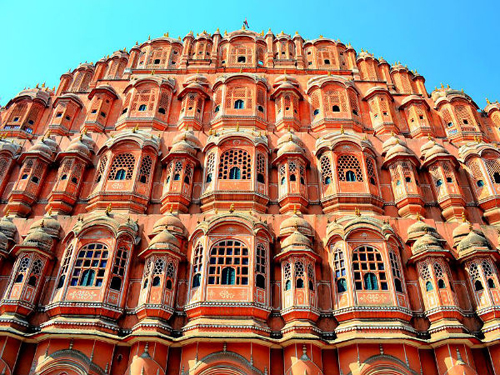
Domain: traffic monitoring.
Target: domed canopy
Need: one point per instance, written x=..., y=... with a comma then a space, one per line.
x=293, y=223
x=165, y=241
x=45, y=147
x=432, y=150
x=419, y=229
x=289, y=137
x=170, y=222
x=83, y=145
x=49, y=224
x=4, y=242
x=7, y=227
x=8, y=146
x=188, y=137
x=182, y=147
x=461, y=231
x=474, y=240
x=394, y=147
x=38, y=239
x=426, y=243
x=296, y=239
x=144, y=364
x=290, y=147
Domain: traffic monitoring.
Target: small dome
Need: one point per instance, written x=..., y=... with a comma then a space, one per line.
x=144, y=364
x=183, y=147
x=398, y=149
x=165, y=240
x=461, y=231
x=49, y=224
x=170, y=222
x=334, y=228
x=4, y=242
x=7, y=227
x=426, y=242
x=420, y=228
x=290, y=148
x=79, y=147
x=289, y=225
x=296, y=239
x=289, y=137
x=390, y=143
x=42, y=147
x=188, y=137
x=426, y=147
x=39, y=239
x=475, y=239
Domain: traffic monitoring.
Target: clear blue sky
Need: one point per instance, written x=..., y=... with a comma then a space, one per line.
x=454, y=42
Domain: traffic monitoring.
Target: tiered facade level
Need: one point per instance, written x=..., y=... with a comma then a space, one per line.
x=248, y=204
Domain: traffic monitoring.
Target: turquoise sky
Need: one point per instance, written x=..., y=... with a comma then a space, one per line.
x=454, y=42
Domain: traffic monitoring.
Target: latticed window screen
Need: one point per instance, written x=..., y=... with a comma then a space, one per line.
x=310, y=276
x=490, y=273
x=22, y=269
x=335, y=98
x=90, y=265
x=347, y=163
x=493, y=168
x=239, y=93
x=77, y=81
x=299, y=274
x=260, y=266
x=396, y=271
x=18, y=111
x=102, y=167
x=370, y=168
x=339, y=264
x=64, y=266
x=448, y=119
x=122, y=162
x=210, y=168
x=145, y=169
x=229, y=263
x=197, y=265
x=36, y=270
x=476, y=172
x=158, y=56
x=235, y=158
x=119, y=268
x=353, y=101
x=437, y=179
x=464, y=115
x=146, y=97
x=369, y=269
x=326, y=57
x=240, y=51
x=372, y=74
x=261, y=168
x=287, y=276
x=326, y=169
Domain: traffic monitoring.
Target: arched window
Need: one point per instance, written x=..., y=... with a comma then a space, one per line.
x=367, y=260
x=428, y=286
x=346, y=163
x=287, y=276
x=261, y=168
x=36, y=270
x=370, y=281
x=350, y=176
x=288, y=285
x=396, y=272
x=239, y=104
x=122, y=167
x=231, y=253
x=228, y=276
x=335, y=108
x=210, y=168
x=119, y=268
x=299, y=275
x=441, y=284
x=260, y=266
x=339, y=270
x=142, y=107
x=22, y=269
x=235, y=164
x=478, y=285
x=170, y=274
x=197, y=265
x=90, y=265
x=326, y=169
x=64, y=267
x=145, y=169
x=283, y=180
x=440, y=275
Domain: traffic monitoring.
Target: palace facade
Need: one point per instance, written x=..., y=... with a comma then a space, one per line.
x=248, y=203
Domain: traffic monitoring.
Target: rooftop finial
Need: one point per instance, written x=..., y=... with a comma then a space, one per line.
x=464, y=218
x=108, y=209
x=341, y=129
x=136, y=128
x=357, y=212
x=487, y=101
x=231, y=208
x=419, y=218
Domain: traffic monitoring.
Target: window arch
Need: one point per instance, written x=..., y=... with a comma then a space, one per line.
x=210, y=168
x=36, y=270
x=22, y=269
x=235, y=164
x=346, y=163
x=396, y=271
x=369, y=269
x=145, y=169
x=119, y=268
x=64, y=267
x=122, y=167
x=101, y=169
x=197, y=265
x=287, y=275
x=261, y=168
x=239, y=104
x=326, y=169
x=299, y=275
x=170, y=276
x=339, y=270
x=228, y=254
x=90, y=265
x=260, y=266
x=438, y=272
